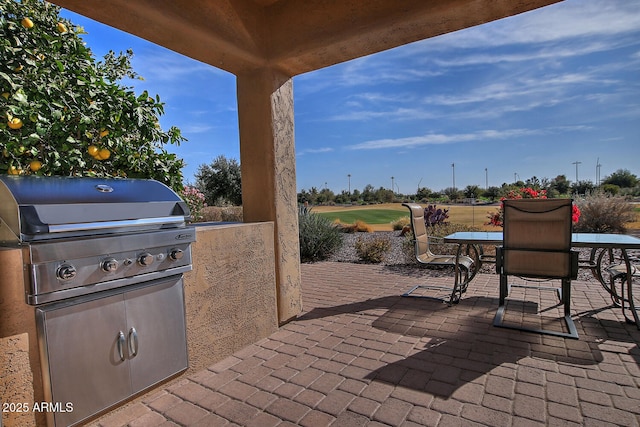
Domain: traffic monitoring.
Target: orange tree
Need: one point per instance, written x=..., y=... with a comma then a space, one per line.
x=64, y=113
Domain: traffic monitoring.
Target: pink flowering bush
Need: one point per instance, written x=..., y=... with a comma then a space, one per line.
x=497, y=218
x=195, y=200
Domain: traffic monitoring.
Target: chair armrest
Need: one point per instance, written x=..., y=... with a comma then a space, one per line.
x=435, y=239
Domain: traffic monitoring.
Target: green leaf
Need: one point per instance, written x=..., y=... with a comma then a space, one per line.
x=8, y=79
x=20, y=97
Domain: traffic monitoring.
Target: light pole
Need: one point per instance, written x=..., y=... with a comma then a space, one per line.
x=392, y=184
x=576, y=163
x=453, y=167
x=349, y=176
x=486, y=179
x=598, y=165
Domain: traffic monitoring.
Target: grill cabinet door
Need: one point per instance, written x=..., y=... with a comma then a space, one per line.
x=85, y=367
x=157, y=315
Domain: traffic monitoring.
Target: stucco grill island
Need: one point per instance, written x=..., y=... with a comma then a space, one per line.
x=103, y=261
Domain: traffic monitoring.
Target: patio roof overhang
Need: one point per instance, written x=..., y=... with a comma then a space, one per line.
x=291, y=36
x=265, y=43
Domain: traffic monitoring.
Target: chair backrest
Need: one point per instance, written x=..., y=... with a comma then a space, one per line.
x=537, y=238
x=418, y=228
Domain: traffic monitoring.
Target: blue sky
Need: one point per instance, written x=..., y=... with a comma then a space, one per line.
x=525, y=96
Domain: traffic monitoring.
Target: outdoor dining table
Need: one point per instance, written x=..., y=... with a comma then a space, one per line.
x=608, y=261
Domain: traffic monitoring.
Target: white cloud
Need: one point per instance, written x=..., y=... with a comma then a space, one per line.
x=559, y=22
x=196, y=128
x=315, y=151
x=390, y=114
x=437, y=139
x=158, y=64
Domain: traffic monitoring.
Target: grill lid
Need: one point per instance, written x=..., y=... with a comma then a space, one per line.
x=37, y=208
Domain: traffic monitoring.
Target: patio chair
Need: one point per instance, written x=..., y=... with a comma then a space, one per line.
x=464, y=269
x=537, y=245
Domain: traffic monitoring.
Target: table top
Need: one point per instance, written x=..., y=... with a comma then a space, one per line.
x=589, y=240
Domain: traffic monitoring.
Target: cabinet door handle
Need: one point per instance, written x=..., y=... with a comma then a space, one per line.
x=120, y=344
x=133, y=342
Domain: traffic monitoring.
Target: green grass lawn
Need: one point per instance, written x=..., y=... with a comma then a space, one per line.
x=370, y=216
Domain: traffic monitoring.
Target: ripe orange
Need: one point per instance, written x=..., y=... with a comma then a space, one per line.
x=15, y=123
x=27, y=23
x=14, y=170
x=61, y=27
x=93, y=150
x=103, y=154
x=35, y=165
x=104, y=133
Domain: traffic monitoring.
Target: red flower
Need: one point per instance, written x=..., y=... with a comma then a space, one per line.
x=496, y=218
x=575, y=215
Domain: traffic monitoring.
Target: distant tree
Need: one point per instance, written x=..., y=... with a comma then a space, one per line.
x=384, y=195
x=492, y=193
x=622, y=178
x=560, y=184
x=368, y=194
x=534, y=183
x=453, y=193
x=423, y=193
x=355, y=195
x=220, y=182
x=610, y=189
x=343, y=197
x=325, y=196
x=471, y=191
x=582, y=187
x=65, y=113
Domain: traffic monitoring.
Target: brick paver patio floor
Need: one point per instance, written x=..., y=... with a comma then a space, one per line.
x=361, y=355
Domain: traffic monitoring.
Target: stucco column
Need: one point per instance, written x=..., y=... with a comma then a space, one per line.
x=267, y=159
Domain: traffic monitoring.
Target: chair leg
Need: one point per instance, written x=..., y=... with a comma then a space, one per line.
x=504, y=288
x=461, y=282
x=498, y=319
x=504, y=291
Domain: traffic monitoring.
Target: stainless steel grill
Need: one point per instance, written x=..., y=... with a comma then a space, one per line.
x=103, y=262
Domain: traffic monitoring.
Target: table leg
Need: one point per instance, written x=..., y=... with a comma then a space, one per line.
x=611, y=265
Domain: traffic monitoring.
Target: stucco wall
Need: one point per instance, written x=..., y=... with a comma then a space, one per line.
x=231, y=293
x=230, y=299
x=20, y=380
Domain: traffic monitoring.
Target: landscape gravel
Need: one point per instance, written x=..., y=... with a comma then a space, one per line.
x=398, y=259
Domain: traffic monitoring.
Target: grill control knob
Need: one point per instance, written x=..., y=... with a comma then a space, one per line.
x=176, y=254
x=145, y=259
x=109, y=265
x=66, y=272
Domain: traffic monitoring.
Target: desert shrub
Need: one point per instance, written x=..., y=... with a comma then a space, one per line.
x=224, y=214
x=408, y=249
x=373, y=250
x=319, y=238
x=359, y=226
x=231, y=213
x=363, y=227
x=400, y=223
x=345, y=228
x=604, y=213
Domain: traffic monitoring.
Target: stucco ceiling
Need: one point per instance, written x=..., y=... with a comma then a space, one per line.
x=291, y=36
